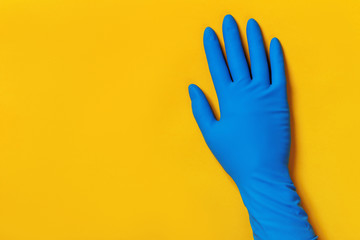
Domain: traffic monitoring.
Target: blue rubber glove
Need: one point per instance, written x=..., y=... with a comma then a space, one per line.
x=252, y=138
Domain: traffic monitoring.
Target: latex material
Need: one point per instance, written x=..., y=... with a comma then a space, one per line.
x=252, y=138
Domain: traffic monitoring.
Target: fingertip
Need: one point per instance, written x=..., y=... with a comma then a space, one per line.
x=275, y=42
x=229, y=24
x=228, y=20
x=208, y=30
x=192, y=91
x=252, y=25
x=192, y=86
x=275, y=45
x=209, y=34
x=252, y=21
x=229, y=17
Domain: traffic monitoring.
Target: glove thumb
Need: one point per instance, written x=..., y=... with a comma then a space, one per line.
x=201, y=108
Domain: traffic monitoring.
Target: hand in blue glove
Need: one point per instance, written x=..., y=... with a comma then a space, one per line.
x=252, y=138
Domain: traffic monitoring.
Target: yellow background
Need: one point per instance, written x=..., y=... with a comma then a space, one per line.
x=97, y=138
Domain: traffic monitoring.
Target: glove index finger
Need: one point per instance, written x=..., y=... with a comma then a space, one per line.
x=216, y=61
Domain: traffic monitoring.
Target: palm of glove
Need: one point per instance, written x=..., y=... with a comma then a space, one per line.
x=253, y=134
